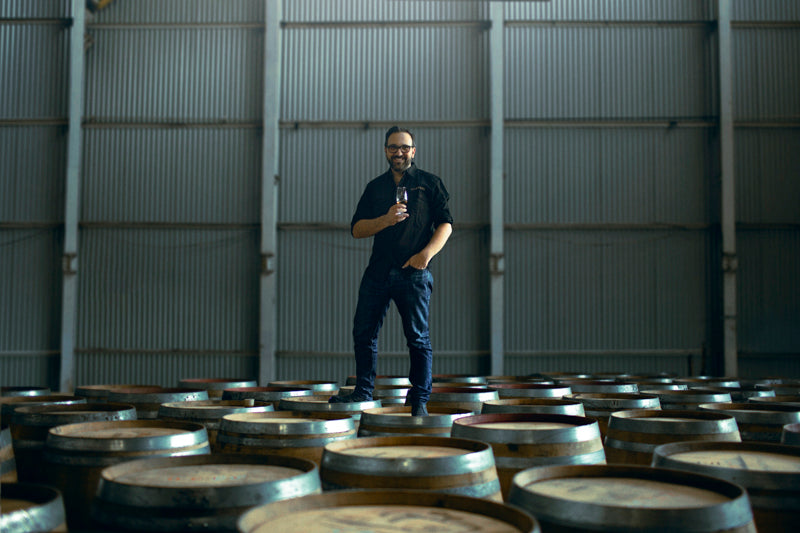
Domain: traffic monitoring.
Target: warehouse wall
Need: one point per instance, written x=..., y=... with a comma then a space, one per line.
x=611, y=190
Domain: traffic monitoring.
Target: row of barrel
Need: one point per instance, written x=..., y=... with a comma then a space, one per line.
x=227, y=455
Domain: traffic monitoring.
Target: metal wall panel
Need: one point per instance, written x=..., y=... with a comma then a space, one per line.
x=367, y=74
x=767, y=170
x=32, y=184
x=164, y=290
x=769, y=291
x=601, y=362
x=767, y=73
x=765, y=10
x=166, y=370
x=381, y=11
x=604, y=72
x=602, y=10
x=607, y=175
x=181, y=12
x=190, y=175
x=30, y=289
x=33, y=70
x=17, y=9
x=590, y=290
x=174, y=74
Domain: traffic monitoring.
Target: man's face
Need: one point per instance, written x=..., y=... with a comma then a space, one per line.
x=399, y=160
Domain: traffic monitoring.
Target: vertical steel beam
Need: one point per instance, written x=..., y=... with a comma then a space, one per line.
x=69, y=304
x=497, y=257
x=728, y=194
x=269, y=186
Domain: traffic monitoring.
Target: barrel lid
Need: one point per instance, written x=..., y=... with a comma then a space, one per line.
x=287, y=423
x=125, y=435
x=526, y=428
x=629, y=498
x=713, y=457
x=387, y=510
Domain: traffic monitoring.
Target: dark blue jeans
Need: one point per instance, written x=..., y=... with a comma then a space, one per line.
x=411, y=291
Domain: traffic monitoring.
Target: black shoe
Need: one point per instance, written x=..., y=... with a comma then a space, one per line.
x=350, y=398
x=419, y=410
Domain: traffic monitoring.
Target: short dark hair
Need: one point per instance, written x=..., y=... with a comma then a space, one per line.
x=397, y=129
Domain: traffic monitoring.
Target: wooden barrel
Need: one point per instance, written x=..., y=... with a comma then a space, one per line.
x=614, y=498
x=436, y=464
x=551, y=406
x=791, y=434
x=396, y=421
x=319, y=404
x=386, y=394
x=30, y=426
x=521, y=441
x=458, y=378
x=385, y=511
x=22, y=390
x=148, y=400
x=461, y=398
x=770, y=473
x=76, y=454
x=31, y=508
x=704, y=382
x=390, y=381
x=757, y=422
x=209, y=413
x=197, y=493
x=530, y=390
x=317, y=385
x=215, y=386
x=690, y=399
x=99, y=393
x=791, y=401
x=600, y=405
x=745, y=392
x=651, y=388
x=10, y=403
x=601, y=387
x=633, y=435
x=283, y=433
x=272, y=395
x=8, y=463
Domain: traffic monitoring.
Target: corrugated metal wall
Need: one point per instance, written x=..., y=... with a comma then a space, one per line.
x=33, y=109
x=611, y=184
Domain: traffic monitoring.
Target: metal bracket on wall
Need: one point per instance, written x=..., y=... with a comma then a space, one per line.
x=730, y=262
x=268, y=264
x=497, y=264
x=69, y=263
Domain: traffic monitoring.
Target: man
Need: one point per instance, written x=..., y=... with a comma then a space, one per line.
x=405, y=240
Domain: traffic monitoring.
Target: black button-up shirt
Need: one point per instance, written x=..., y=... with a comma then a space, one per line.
x=427, y=208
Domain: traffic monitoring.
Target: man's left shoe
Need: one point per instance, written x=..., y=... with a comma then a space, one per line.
x=350, y=398
x=419, y=410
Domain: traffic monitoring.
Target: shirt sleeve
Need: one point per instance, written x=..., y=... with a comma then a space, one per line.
x=365, y=208
x=441, y=208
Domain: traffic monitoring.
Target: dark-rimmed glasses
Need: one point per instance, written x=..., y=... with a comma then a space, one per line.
x=393, y=148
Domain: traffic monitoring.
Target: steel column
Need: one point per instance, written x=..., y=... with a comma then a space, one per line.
x=69, y=304
x=497, y=257
x=728, y=192
x=269, y=185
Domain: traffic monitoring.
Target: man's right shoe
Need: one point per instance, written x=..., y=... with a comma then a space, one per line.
x=419, y=410
x=350, y=398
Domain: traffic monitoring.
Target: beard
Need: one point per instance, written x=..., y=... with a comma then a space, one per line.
x=399, y=163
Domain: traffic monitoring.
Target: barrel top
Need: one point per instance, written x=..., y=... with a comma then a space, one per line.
x=387, y=510
x=742, y=460
x=627, y=492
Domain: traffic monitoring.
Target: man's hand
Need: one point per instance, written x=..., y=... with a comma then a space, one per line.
x=396, y=213
x=418, y=261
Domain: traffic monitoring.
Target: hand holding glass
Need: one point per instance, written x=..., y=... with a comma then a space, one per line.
x=401, y=196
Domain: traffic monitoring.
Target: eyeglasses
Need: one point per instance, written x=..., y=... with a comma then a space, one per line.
x=393, y=148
